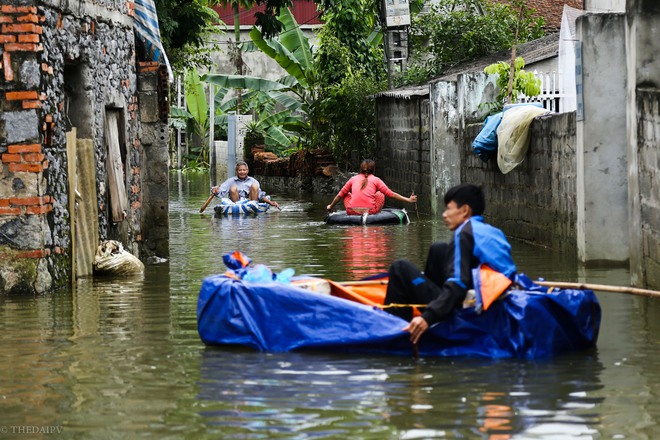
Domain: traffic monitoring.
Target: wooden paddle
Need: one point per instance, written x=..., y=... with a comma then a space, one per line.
x=601, y=288
x=206, y=203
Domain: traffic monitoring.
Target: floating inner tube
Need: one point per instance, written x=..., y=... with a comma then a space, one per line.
x=387, y=216
x=242, y=207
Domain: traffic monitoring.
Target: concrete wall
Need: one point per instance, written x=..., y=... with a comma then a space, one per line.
x=643, y=135
x=605, y=5
x=535, y=202
x=256, y=63
x=602, y=186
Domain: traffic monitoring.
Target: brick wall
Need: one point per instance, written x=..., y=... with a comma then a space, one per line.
x=403, y=148
x=535, y=202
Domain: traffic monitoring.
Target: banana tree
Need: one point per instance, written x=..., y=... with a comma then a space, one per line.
x=295, y=92
x=194, y=118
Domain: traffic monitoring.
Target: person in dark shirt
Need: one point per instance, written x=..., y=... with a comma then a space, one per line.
x=447, y=275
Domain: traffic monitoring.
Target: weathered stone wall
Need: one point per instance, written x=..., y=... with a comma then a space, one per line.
x=648, y=115
x=63, y=65
x=535, y=202
x=403, y=149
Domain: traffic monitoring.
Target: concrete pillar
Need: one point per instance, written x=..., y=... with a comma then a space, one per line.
x=602, y=186
x=154, y=138
x=643, y=67
x=445, y=142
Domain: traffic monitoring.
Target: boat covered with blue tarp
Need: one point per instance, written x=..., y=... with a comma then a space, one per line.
x=529, y=322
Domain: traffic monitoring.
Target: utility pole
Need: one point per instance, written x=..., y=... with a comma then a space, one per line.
x=395, y=14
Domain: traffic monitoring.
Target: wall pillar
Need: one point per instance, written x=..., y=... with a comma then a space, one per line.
x=643, y=135
x=602, y=180
x=154, y=139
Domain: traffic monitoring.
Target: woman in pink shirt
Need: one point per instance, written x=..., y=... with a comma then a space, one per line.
x=366, y=192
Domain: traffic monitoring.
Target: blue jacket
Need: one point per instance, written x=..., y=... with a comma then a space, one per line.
x=473, y=243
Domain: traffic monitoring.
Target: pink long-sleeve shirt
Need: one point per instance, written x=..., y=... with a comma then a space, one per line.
x=364, y=198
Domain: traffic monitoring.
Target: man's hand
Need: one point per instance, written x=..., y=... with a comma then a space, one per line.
x=416, y=328
x=215, y=190
x=275, y=204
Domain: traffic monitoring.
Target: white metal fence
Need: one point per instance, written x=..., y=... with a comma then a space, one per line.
x=552, y=92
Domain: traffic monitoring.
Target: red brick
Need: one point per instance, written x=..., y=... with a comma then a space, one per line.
x=6, y=19
x=28, y=38
x=24, y=148
x=28, y=18
x=41, y=209
x=31, y=104
x=4, y=203
x=21, y=95
x=37, y=253
x=11, y=158
x=33, y=157
x=10, y=9
x=7, y=39
x=23, y=47
x=10, y=211
x=25, y=28
x=24, y=201
x=27, y=167
x=6, y=64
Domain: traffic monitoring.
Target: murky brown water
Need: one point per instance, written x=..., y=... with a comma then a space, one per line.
x=122, y=358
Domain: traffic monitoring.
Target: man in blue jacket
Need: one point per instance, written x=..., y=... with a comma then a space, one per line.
x=448, y=273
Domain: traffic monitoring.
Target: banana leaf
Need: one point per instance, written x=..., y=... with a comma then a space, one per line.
x=242, y=82
x=283, y=56
x=196, y=98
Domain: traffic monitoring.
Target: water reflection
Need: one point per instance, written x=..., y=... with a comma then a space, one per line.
x=366, y=250
x=122, y=358
x=315, y=395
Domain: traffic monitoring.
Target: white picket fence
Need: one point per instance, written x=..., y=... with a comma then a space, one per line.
x=551, y=92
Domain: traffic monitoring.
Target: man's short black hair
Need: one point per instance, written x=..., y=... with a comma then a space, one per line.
x=467, y=194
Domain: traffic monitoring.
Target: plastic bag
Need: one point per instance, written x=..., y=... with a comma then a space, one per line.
x=513, y=135
x=485, y=144
x=112, y=259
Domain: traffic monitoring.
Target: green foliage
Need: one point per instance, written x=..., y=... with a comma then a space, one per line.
x=184, y=25
x=194, y=119
x=349, y=131
x=523, y=82
x=456, y=31
x=348, y=42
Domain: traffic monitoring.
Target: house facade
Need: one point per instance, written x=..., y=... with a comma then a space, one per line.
x=80, y=118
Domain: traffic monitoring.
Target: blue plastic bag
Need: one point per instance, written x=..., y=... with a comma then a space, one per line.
x=485, y=144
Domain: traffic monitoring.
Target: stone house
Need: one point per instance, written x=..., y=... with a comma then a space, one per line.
x=83, y=141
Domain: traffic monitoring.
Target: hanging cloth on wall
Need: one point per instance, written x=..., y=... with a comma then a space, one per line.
x=145, y=23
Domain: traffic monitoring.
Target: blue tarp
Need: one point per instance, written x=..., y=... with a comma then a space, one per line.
x=279, y=317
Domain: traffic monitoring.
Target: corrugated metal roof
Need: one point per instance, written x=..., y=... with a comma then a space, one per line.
x=404, y=92
x=533, y=51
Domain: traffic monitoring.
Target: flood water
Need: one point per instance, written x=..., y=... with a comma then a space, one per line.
x=121, y=358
